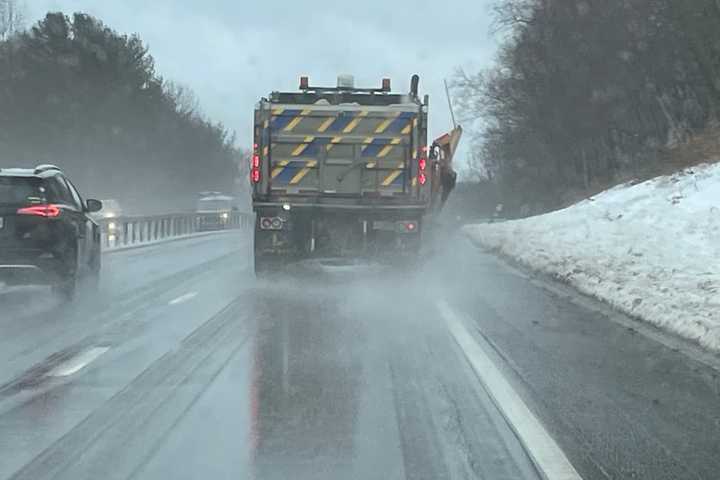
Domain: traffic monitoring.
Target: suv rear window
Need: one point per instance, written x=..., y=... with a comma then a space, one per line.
x=20, y=190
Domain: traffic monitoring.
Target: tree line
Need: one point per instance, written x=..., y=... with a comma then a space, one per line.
x=75, y=93
x=586, y=93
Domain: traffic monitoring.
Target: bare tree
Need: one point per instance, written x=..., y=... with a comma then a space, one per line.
x=186, y=101
x=12, y=18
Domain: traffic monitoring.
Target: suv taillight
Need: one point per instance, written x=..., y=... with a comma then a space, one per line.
x=48, y=211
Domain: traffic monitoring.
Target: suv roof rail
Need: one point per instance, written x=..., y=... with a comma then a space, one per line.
x=45, y=168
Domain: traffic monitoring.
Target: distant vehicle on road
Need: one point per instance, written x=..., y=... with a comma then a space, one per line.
x=214, y=210
x=110, y=209
x=47, y=234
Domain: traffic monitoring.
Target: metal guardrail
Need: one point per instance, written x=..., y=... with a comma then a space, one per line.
x=121, y=232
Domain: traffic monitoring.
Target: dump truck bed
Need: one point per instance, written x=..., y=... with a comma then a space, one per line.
x=345, y=154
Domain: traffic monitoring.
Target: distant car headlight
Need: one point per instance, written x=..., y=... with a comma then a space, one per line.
x=110, y=215
x=112, y=226
x=225, y=216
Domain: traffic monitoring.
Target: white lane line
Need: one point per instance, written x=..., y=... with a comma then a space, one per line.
x=78, y=362
x=183, y=298
x=545, y=453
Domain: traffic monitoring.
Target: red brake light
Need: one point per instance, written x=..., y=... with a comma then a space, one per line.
x=410, y=227
x=422, y=179
x=422, y=163
x=255, y=175
x=256, y=161
x=49, y=211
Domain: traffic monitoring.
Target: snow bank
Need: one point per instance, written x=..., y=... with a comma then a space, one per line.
x=651, y=250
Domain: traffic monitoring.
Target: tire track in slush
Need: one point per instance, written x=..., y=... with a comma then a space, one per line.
x=105, y=435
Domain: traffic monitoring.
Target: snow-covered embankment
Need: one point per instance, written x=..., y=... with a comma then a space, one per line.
x=651, y=250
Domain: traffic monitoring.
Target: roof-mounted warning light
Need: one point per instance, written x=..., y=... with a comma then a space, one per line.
x=386, y=85
x=304, y=83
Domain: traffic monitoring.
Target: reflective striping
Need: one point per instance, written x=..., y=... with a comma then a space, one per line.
x=278, y=170
x=301, y=174
x=373, y=148
x=394, y=175
x=386, y=123
x=303, y=146
x=296, y=121
x=414, y=182
x=282, y=119
x=341, y=122
x=354, y=123
x=266, y=124
x=407, y=129
x=278, y=111
x=266, y=150
x=326, y=124
x=333, y=142
x=401, y=123
x=288, y=172
x=371, y=164
x=384, y=152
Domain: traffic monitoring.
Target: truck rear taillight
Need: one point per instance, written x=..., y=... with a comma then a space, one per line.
x=422, y=166
x=255, y=176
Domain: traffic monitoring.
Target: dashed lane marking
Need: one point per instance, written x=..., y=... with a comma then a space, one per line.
x=78, y=362
x=183, y=298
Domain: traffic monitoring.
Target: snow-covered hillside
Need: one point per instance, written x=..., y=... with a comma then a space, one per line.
x=651, y=250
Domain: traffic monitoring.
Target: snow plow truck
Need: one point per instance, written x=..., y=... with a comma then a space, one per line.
x=346, y=172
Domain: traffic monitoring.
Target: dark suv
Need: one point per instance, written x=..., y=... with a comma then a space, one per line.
x=46, y=234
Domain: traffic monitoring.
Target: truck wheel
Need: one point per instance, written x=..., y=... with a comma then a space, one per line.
x=67, y=285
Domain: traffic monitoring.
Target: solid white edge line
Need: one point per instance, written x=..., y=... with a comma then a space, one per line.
x=544, y=452
x=183, y=298
x=78, y=362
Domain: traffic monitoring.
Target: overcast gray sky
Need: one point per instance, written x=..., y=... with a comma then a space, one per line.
x=232, y=52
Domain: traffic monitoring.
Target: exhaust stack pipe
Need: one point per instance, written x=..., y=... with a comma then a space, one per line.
x=414, y=84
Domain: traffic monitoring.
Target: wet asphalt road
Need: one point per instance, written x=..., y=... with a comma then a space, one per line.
x=184, y=366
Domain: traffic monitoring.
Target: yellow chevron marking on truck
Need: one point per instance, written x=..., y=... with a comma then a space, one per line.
x=407, y=129
x=277, y=111
x=333, y=142
x=385, y=124
x=326, y=124
x=295, y=121
x=367, y=142
x=302, y=147
x=278, y=170
x=301, y=174
x=351, y=126
x=394, y=175
x=371, y=164
x=388, y=148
